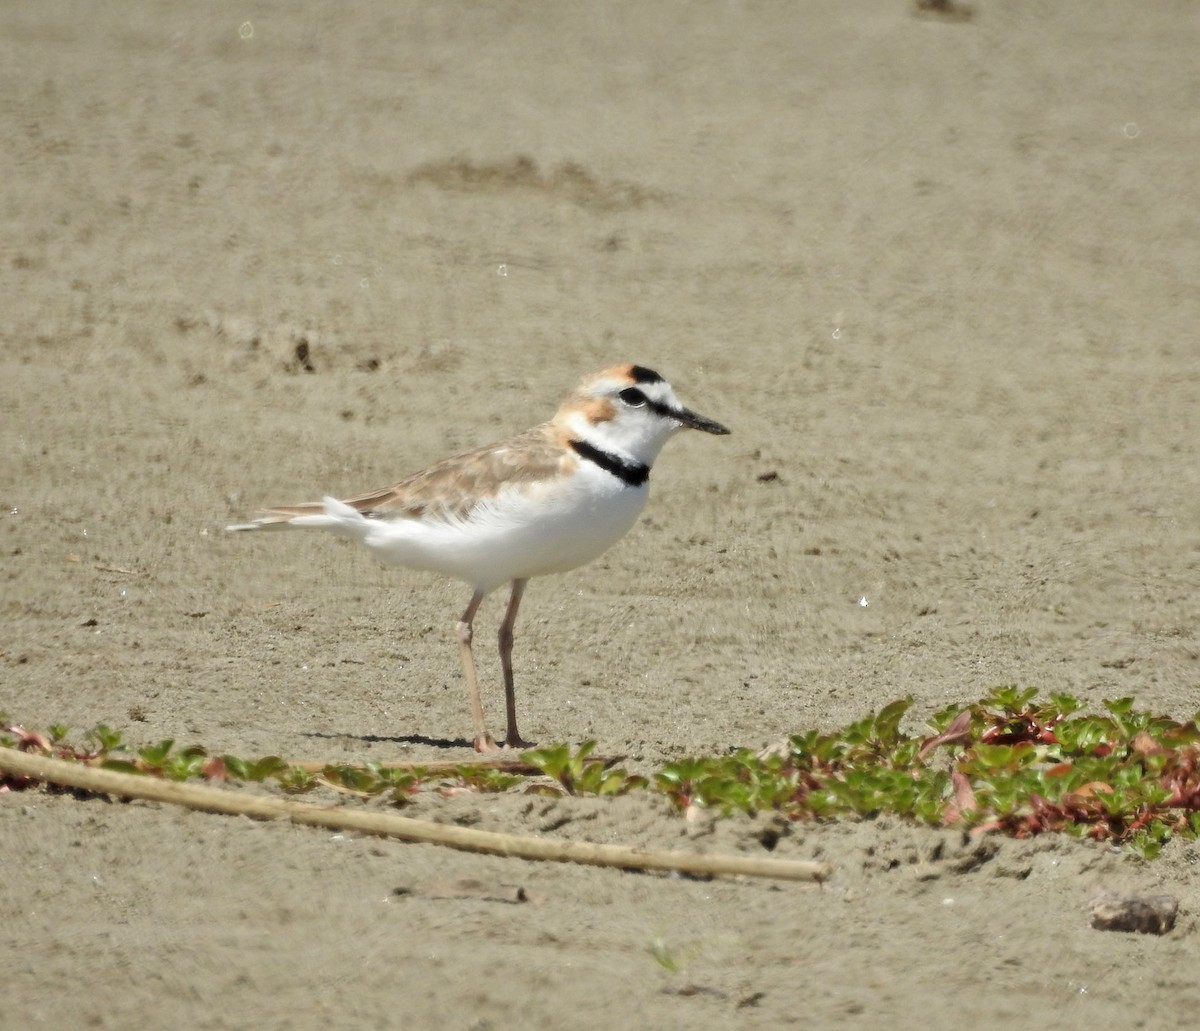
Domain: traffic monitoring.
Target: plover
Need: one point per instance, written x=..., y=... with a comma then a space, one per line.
x=544, y=501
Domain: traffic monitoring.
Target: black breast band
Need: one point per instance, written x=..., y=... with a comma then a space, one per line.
x=632, y=474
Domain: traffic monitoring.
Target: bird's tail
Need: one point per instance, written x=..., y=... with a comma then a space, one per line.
x=327, y=514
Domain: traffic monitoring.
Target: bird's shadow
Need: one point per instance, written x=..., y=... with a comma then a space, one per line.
x=382, y=739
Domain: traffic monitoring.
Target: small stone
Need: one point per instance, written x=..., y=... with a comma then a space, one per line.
x=1145, y=914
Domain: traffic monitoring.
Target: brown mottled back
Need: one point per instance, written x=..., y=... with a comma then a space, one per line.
x=449, y=489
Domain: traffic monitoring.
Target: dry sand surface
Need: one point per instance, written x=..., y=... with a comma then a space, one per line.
x=938, y=275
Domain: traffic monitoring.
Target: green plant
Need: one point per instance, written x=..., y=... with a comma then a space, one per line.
x=1009, y=763
x=580, y=775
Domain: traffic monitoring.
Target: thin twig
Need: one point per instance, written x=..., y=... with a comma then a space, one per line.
x=220, y=800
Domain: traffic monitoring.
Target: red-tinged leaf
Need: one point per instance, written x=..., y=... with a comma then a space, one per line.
x=30, y=740
x=1013, y=732
x=958, y=733
x=1183, y=797
x=1091, y=789
x=215, y=769
x=1060, y=769
x=1188, y=760
x=964, y=794
x=1144, y=744
x=454, y=792
x=988, y=826
x=964, y=799
x=1101, y=751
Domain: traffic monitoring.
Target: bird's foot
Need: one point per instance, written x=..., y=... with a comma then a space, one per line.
x=516, y=741
x=485, y=743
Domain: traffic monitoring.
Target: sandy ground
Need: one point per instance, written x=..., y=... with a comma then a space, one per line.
x=938, y=276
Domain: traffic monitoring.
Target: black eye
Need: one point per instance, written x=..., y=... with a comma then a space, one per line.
x=632, y=397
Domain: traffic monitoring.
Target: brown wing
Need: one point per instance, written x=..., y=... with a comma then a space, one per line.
x=452, y=487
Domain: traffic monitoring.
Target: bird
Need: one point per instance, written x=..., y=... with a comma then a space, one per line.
x=545, y=501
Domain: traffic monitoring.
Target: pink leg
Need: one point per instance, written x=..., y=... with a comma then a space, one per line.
x=512, y=738
x=484, y=742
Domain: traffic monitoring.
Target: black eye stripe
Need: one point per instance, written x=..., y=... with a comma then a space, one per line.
x=634, y=398
x=658, y=408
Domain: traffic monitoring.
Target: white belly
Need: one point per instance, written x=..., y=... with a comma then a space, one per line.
x=524, y=531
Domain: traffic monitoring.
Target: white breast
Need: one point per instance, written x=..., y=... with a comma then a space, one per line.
x=525, y=530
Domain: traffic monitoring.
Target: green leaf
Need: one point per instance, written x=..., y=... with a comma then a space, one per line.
x=887, y=723
x=105, y=738
x=1010, y=698
x=156, y=755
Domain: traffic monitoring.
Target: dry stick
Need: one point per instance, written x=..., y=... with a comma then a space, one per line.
x=219, y=800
